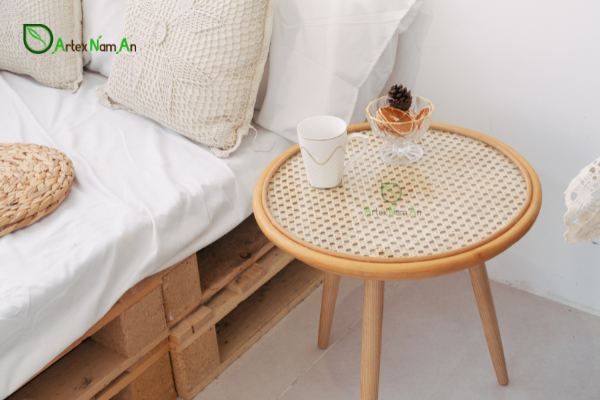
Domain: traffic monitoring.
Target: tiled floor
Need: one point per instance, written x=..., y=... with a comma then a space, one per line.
x=433, y=348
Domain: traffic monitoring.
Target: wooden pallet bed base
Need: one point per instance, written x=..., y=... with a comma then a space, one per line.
x=197, y=316
x=226, y=300
x=219, y=266
x=132, y=296
x=236, y=317
x=115, y=348
x=87, y=370
x=222, y=262
x=240, y=329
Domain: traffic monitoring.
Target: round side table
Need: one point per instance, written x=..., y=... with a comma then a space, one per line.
x=467, y=200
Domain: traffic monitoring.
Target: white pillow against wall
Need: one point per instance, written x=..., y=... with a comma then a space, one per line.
x=63, y=69
x=323, y=53
x=102, y=18
x=197, y=66
x=408, y=55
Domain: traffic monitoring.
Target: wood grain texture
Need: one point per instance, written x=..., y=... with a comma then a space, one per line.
x=181, y=332
x=487, y=312
x=201, y=318
x=371, y=340
x=220, y=262
x=330, y=292
x=134, y=371
x=243, y=282
x=383, y=269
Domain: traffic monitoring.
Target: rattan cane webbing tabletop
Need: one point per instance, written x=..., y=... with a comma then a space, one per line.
x=463, y=193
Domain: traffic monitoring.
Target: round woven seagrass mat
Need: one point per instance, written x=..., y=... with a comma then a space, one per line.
x=34, y=180
x=461, y=194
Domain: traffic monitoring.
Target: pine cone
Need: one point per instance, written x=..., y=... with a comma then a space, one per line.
x=400, y=97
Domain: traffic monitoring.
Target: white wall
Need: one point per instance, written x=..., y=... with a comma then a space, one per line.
x=526, y=72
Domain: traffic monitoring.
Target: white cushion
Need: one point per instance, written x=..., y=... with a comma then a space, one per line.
x=63, y=69
x=325, y=58
x=102, y=18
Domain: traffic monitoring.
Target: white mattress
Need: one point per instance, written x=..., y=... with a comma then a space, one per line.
x=143, y=199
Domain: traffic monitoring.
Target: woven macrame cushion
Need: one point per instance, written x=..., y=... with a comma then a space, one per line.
x=62, y=70
x=34, y=180
x=196, y=68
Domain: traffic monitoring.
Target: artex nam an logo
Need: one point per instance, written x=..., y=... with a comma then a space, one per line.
x=38, y=39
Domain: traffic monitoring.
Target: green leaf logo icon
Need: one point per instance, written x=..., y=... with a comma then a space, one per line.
x=391, y=192
x=35, y=35
x=36, y=32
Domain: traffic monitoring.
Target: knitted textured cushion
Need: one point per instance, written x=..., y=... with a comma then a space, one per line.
x=63, y=69
x=583, y=205
x=196, y=68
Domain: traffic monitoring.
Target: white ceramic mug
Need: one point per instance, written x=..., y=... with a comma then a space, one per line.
x=323, y=143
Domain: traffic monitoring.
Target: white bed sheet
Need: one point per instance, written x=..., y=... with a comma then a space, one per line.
x=143, y=199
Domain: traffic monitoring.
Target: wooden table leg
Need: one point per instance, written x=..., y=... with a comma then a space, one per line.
x=371, y=340
x=487, y=312
x=330, y=291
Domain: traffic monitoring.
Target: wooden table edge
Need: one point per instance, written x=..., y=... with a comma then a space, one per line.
x=414, y=267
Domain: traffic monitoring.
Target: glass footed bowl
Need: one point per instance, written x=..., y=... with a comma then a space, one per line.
x=403, y=131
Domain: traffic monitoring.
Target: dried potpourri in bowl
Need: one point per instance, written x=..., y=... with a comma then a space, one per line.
x=400, y=118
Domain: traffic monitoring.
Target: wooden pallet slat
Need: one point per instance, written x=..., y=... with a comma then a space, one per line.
x=155, y=383
x=226, y=300
x=201, y=318
x=275, y=296
x=217, y=265
x=220, y=262
x=247, y=279
x=181, y=332
x=134, y=371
